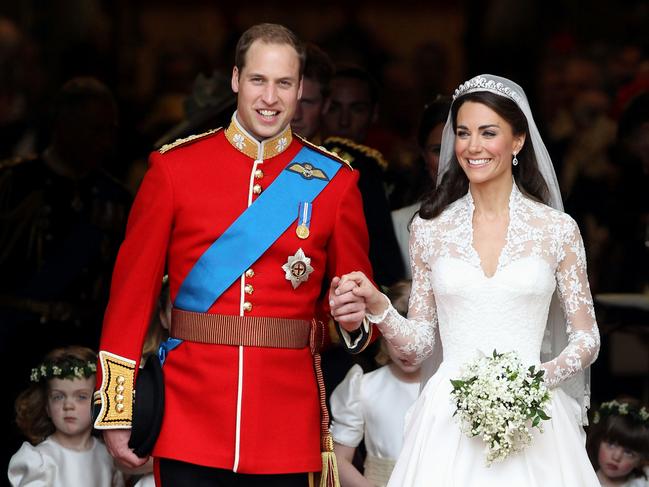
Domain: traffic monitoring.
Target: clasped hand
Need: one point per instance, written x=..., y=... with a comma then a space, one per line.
x=351, y=297
x=117, y=444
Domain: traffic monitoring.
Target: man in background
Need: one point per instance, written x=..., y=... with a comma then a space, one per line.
x=318, y=70
x=352, y=109
x=62, y=217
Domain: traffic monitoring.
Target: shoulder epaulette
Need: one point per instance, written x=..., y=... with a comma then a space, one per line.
x=323, y=150
x=186, y=140
x=363, y=149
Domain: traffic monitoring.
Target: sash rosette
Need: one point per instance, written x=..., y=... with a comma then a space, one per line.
x=500, y=400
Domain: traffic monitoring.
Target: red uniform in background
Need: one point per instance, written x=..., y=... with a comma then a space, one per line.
x=246, y=409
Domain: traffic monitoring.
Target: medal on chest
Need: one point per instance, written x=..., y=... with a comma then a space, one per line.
x=304, y=220
x=297, y=268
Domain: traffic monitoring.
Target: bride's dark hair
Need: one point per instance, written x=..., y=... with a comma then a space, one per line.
x=455, y=184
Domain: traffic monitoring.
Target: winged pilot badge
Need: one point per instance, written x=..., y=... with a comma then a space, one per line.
x=308, y=171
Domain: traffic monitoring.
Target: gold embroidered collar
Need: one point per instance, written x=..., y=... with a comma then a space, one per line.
x=246, y=143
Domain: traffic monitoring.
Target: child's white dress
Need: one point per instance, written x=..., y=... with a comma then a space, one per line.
x=639, y=481
x=147, y=480
x=49, y=464
x=372, y=406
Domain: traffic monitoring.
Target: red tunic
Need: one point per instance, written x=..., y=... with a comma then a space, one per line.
x=247, y=409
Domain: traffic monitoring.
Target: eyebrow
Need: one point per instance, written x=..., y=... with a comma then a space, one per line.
x=84, y=389
x=260, y=75
x=481, y=127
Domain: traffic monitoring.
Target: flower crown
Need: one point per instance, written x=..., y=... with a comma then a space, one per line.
x=480, y=83
x=68, y=368
x=617, y=408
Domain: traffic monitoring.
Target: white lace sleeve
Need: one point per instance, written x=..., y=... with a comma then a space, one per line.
x=577, y=303
x=414, y=337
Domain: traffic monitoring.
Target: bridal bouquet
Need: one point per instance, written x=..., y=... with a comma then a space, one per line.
x=500, y=400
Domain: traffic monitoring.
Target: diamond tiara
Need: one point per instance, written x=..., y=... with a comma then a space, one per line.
x=480, y=83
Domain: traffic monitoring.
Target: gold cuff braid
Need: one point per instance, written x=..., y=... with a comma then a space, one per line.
x=115, y=396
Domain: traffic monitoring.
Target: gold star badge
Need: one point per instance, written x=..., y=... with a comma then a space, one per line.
x=297, y=268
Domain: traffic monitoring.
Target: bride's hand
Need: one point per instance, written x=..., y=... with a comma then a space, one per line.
x=346, y=308
x=375, y=301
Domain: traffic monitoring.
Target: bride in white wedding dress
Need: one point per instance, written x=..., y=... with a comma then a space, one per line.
x=489, y=251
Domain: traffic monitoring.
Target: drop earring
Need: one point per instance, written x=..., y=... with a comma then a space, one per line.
x=514, y=160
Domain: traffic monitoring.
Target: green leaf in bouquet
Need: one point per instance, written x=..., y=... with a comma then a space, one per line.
x=542, y=415
x=457, y=384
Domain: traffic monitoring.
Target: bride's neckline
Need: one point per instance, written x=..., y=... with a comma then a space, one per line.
x=514, y=197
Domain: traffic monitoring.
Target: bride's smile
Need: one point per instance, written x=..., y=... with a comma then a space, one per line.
x=485, y=143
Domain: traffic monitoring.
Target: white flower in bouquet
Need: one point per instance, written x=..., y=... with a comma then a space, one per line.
x=500, y=400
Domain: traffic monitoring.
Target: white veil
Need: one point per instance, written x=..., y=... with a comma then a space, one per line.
x=555, y=338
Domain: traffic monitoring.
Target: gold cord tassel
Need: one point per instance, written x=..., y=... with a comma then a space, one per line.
x=329, y=476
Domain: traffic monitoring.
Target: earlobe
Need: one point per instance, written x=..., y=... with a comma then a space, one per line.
x=299, y=90
x=235, y=80
x=520, y=143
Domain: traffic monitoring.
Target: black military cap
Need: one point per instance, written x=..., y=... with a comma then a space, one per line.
x=148, y=407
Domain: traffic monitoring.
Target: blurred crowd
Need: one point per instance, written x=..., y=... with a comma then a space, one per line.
x=77, y=122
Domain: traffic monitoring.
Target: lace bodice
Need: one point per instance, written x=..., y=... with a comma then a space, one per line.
x=543, y=251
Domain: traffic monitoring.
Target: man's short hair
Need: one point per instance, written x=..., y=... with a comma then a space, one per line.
x=270, y=34
x=353, y=71
x=318, y=67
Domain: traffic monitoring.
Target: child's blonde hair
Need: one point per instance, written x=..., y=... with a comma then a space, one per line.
x=399, y=294
x=65, y=363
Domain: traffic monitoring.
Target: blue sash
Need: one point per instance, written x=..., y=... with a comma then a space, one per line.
x=255, y=230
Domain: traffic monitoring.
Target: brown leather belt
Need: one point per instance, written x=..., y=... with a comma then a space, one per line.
x=256, y=331
x=251, y=331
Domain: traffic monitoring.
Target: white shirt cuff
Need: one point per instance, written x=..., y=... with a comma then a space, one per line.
x=351, y=344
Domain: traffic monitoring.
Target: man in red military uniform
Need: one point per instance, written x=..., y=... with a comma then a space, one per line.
x=249, y=222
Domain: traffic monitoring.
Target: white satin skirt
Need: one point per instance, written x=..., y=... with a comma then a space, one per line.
x=437, y=453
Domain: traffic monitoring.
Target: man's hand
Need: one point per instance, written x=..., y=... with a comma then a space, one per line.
x=117, y=444
x=361, y=287
x=346, y=308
